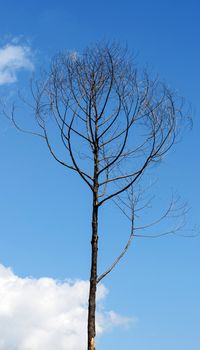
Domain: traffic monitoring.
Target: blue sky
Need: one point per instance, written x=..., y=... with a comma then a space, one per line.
x=45, y=211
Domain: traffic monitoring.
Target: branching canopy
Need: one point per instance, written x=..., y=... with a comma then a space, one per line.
x=99, y=100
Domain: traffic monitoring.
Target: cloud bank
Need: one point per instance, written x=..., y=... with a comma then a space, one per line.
x=13, y=58
x=46, y=314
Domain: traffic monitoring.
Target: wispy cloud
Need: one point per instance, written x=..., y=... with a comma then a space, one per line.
x=13, y=58
x=46, y=314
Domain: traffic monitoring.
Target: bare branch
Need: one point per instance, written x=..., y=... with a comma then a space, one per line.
x=104, y=274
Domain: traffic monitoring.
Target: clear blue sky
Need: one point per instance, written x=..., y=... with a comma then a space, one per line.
x=45, y=211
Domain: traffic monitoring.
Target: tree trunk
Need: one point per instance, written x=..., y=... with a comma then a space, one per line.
x=93, y=277
x=94, y=243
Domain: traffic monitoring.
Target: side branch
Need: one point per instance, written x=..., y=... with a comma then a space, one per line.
x=120, y=256
x=11, y=117
x=72, y=156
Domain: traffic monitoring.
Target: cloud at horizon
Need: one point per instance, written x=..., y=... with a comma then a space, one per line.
x=14, y=57
x=47, y=314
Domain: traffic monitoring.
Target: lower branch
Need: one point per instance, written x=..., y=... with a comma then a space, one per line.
x=119, y=257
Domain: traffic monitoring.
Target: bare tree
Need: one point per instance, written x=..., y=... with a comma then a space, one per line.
x=113, y=124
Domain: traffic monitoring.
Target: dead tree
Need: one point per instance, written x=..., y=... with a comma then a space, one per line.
x=113, y=124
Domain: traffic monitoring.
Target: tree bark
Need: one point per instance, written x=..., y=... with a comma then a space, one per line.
x=94, y=246
x=93, y=277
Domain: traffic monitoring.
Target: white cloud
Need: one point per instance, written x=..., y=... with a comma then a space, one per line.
x=13, y=58
x=46, y=314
